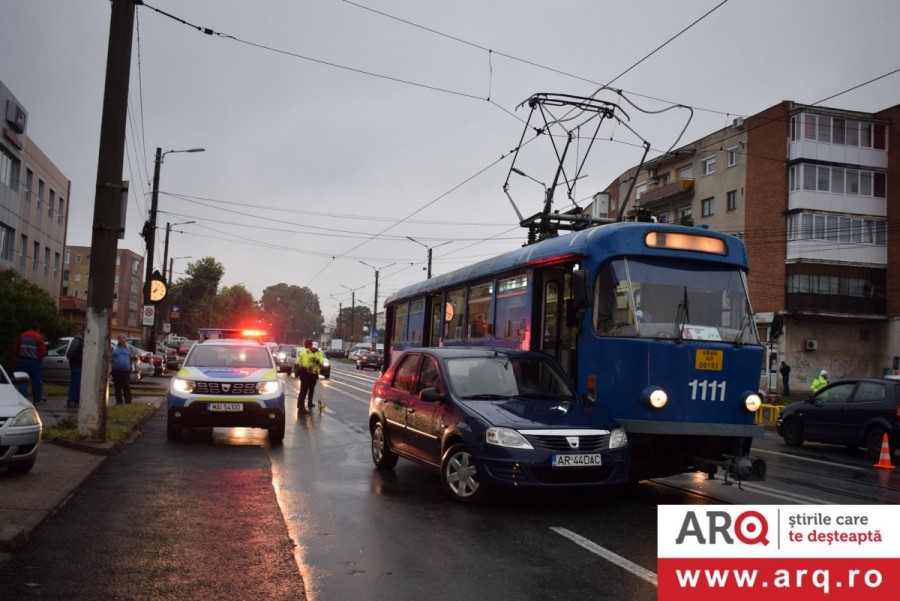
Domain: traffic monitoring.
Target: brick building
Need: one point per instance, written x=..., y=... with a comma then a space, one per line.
x=813, y=192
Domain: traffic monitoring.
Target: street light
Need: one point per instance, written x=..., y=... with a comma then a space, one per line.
x=166, y=252
x=429, y=251
x=352, y=306
x=149, y=234
x=372, y=330
x=172, y=265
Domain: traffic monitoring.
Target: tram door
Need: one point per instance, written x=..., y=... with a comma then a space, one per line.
x=557, y=339
x=434, y=310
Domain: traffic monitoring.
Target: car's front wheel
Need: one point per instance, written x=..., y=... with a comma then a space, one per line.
x=459, y=476
x=792, y=432
x=276, y=434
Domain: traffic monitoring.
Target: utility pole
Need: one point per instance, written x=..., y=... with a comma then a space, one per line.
x=375, y=302
x=108, y=217
x=149, y=234
x=352, y=307
x=430, y=248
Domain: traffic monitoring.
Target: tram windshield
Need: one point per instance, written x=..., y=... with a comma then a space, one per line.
x=656, y=298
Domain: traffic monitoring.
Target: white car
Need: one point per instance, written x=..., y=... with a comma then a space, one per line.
x=20, y=425
x=227, y=383
x=55, y=366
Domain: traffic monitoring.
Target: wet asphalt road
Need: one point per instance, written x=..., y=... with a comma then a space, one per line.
x=195, y=520
x=222, y=515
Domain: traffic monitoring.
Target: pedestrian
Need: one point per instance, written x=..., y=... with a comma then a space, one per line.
x=820, y=382
x=123, y=360
x=75, y=354
x=785, y=378
x=30, y=349
x=310, y=361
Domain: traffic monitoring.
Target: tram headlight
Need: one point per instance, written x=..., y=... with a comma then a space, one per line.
x=654, y=397
x=752, y=402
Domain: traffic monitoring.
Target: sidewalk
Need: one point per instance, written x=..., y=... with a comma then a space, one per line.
x=27, y=499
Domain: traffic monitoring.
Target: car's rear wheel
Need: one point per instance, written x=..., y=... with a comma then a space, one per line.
x=792, y=432
x=873, y=442
x=459, y=476
x=383, y=457
x=173, y=432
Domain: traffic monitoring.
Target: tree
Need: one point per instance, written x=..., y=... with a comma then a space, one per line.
x=23, y=304
x=293, y=311
x=235, y=305
x=195, y=296
x=361, y=318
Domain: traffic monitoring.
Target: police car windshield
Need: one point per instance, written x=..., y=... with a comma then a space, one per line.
x=232, y=355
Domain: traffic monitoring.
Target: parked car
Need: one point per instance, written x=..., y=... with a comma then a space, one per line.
x=176, y=359
x=373, y=359
x=493, y=418
x=55, y=366
x=227, y=383
x=20, y=425
x=335, y=353
x=853, y=413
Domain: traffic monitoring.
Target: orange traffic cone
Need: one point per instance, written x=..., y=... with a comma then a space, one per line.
x=884, y=460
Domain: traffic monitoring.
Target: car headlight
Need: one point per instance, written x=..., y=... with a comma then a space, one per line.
x=618, y=438
x=27, y=417
x=506, y=437
x=182, y=385
x=325, y=363
x=267, y=387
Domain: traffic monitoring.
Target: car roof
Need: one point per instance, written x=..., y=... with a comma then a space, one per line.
x=464, y=352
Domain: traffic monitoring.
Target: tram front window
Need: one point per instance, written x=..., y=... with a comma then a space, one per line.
x=653, y=298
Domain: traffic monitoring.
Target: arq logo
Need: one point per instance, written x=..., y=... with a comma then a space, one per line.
x=749, y=527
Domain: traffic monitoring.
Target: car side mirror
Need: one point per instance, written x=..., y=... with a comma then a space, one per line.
x=431, y=395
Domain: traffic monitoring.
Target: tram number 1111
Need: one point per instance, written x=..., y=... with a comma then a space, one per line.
x=708, y=390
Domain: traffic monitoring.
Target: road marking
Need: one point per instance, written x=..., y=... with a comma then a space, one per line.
x=608, y=555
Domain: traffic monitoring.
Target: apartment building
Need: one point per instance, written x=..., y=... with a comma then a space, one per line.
x=813, y=192
x=34, y=203
x=128, y=293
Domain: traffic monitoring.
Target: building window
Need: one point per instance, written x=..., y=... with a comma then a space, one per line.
x=686, y=216
x=41, y=186
x=662, y=217
x=29, y=182
x=731, y=199
x=62, y=206
x=77, y=276
x=708, y=165
x=51, y=204
x=9, y=169
x=732, y=154
x=707, y=206
x=68, y=256
x=686, y=172
x=24, y=248
x=7, y=243
x=35, y=256
x=78, y=258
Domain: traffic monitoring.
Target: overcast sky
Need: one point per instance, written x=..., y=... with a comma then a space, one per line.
x=333, y=130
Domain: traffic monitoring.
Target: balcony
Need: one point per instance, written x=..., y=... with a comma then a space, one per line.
x=680, y=188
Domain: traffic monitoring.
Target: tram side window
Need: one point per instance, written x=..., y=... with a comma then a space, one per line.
x=416, y=321
x=454, y=312
x=400, y=322
x=512, y=311
x=479, y=311
x=612, y=310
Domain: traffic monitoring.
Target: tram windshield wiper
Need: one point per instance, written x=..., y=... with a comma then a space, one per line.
x=486, y=397
x=745, y=323
x=682, y=318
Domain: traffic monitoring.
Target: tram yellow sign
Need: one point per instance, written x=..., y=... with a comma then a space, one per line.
x=708, y=360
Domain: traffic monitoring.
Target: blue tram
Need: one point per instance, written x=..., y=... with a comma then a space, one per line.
x=652, y=321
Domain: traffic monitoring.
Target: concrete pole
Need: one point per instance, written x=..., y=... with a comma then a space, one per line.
x=108, y=207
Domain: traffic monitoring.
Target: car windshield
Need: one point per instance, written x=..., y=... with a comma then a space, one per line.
x=501, y=377
x=652, y=298
x=229, y=356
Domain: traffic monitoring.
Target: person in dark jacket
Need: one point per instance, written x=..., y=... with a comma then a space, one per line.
x=75, y=354
x=30, y=349
x=785, y=378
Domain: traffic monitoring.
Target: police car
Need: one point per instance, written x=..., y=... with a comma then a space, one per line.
x=227, y=383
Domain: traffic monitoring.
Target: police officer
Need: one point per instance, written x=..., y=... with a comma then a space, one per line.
x=820, y=382
x=310, y=362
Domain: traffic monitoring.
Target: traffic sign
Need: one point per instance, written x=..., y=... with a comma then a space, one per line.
x=149, y=314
